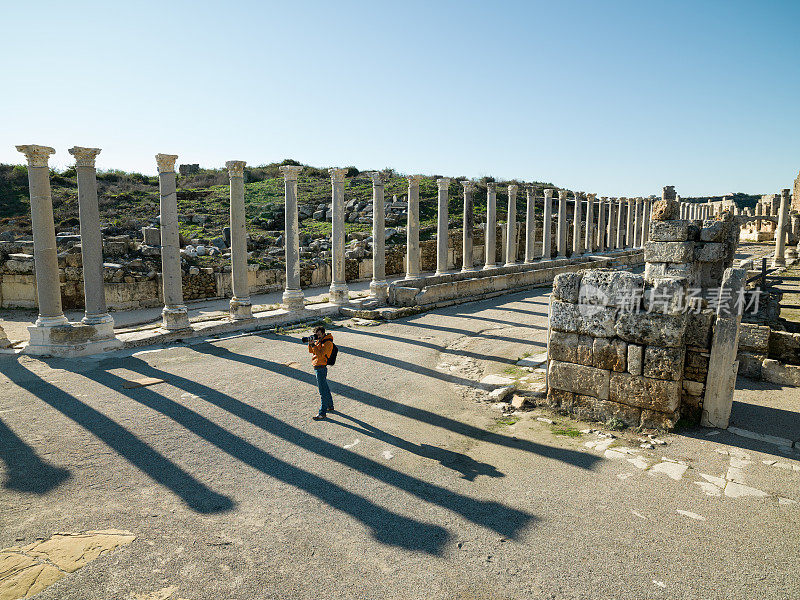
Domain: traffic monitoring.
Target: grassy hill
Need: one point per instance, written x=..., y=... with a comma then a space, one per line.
x=130, y=200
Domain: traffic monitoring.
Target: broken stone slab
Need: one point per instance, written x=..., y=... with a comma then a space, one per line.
x=579, y=379
x=519, y=402
x=670, y=469
x=645, y=392
x=669, y=252
x=496, y=381
x=533, y=361
x=499, y=394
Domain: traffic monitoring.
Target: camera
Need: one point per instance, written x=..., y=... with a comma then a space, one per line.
x=307, y=340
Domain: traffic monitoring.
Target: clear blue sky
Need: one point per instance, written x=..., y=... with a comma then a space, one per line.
x=618, y=98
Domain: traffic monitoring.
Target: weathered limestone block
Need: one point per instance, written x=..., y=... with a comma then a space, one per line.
x=693, y=388
x=754, y=338
x=667, y=295
x=713, y=231
x=670, y=231
x=563, y=346
x=635, y=359
x=645, y=392
x=566, y=286
x=775, y=372
x=698, y=329
x=584, y=350
x=669, y=252
x=610, y=354
x=560, y=399
x=592, y=409
x=578, y=379
x=564, y=316
x=652, y=329
x=608, y=287
x=711, y=252
x=667, y=209
x=750, y=364
x=652, y=419
x=596, y=321
x=663, y=363
x=404, y=296
x=696, y=365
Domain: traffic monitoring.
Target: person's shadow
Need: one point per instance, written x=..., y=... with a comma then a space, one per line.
x=466, y=465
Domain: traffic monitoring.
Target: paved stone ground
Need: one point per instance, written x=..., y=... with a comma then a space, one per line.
x=417, y=488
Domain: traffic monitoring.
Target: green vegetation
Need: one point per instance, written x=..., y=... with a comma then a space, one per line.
x=505, y=421
x=616, y=424
x=567, y=431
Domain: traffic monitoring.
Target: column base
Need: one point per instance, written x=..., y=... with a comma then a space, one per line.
x=175, y=318
x=468, y=269
x=412, y=275
x=490, y=266
x=778, y=262
x=339, y=293
x=293, y=300
x=71, y=340
x=51, y=321
x=241, y=309
x=4, y=341
x=379, y=289
x=98, y=319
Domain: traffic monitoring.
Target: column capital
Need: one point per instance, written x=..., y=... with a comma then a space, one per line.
x=378, y=177
x=290, y=172
x=491, y=186
x=592, y=196
x=548, y=193
x=530, y=190
x=413, y=180
x=166, y=162
x=469, y=185
x=84, y=157
x=37, y=155
x=443, y=182
x=785, y=193
x=604, y=198
x=337, y=174
x=562, y=194
x=512, y=189
x=235, y=168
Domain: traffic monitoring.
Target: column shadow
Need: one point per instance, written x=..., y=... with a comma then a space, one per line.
x=387, y=527
x=490, y=514
x=26, y=471
x=195, y=494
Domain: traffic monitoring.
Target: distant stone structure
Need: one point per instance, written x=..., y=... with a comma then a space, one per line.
x=796, y=194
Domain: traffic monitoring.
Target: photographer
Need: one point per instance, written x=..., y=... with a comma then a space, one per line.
x=320, y=345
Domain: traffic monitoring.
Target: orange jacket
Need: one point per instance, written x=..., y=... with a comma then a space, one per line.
x=321, y=350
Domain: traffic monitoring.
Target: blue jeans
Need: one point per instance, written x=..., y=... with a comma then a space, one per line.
x=324, y=391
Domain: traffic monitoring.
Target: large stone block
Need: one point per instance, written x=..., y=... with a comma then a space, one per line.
x=669, y=231
x=750, y=365
x=566, y=286
x=645, y=392
x=666, y=209
x=663, y=363
x=596, y=321
x=710, y=252
x=560, y=399
x=609, y=287
x=564, y=316
x=698, y=329
x=563, y=346
x=713, y=231
x=754, y=338
x=592, y=409
x=652, y=419
x=578, y=379
x=669, y=252
x=666, y=295
x=609, y=354
x=652, y=329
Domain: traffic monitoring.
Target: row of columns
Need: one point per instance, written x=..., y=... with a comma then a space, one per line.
x=695, y=211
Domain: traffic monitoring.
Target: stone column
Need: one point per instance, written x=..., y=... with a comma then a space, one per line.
x=466, y=245
x=577, y=237
x=338, y=290
x=490, y=236
x=378, y=288
x=621, y=205
x=561, y=242
x=629, y=237
x=511, y=230
x=442, y=225
x=637, y=223
x=590, y=230
x=648, y=206
x=547, y=225
x=758, y=221
x=412, y=226
x=45, y=253
x=601, y=224
x=240, y=305
x=175, y=316
x=530, y=225
x=91, y=240
x=780, y=232
x=610, y=239
x=292, y=295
